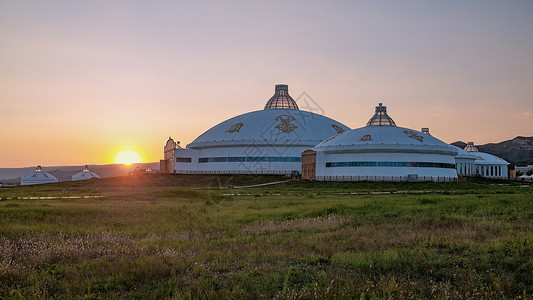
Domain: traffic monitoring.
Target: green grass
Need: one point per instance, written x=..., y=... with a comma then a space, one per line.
x=188, y=237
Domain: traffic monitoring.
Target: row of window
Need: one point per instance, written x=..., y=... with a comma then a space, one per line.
x=248, y=159
x=413, y=164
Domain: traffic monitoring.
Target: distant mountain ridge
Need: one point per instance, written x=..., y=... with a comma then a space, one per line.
x=518, y=151
x=64, y=173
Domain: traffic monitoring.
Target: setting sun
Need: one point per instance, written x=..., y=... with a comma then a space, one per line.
x=127, y=157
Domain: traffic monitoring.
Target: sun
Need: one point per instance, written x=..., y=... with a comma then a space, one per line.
x=127, y=157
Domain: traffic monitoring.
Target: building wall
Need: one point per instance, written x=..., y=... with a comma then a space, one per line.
x=492, y=170
x=181, y=166
x=240, y=160
x=465, y=166
x=389, y=173
x=309, y=165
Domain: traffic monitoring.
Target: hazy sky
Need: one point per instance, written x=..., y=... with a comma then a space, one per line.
x=82, y=80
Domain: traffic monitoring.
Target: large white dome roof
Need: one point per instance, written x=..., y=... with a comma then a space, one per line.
x=382, y=135
x=386, y=139
x=281, y=123
x=271, y=127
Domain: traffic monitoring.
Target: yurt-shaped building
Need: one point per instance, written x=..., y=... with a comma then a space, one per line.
x=268, y=141
x=84, y=175
x=382, y=151
x=39, y=176
x=488, y=165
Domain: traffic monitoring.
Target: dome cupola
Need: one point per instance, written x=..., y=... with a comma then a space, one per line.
x=381, y=118
x=470, y=147
x=281, y=99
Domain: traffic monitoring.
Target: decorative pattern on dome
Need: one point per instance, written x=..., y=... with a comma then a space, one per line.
x=470, y=147
x=381, y=118
x=285, y=125
x=413, y=135
x=235, y=127
x=366, y=138
x=281, y=99
x=337, y=128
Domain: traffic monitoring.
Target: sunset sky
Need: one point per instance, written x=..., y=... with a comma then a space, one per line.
x=81, y=81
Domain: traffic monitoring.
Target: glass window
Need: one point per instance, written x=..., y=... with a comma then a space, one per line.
x=183, y=159
x=389, y=164
x=249, y=159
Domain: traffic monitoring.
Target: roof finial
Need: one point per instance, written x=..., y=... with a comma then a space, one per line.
x=381, y=118
x=470, y=147
x=281, y=99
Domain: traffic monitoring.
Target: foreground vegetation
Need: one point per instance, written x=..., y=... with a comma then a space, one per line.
x=191, y=237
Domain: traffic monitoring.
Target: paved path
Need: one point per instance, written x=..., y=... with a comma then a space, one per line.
x=261, y=184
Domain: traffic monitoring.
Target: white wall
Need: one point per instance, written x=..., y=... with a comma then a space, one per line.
x=240, y=167
x=323, y=158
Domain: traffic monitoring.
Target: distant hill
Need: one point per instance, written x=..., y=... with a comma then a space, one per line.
x=518, y=151
x=64, y=173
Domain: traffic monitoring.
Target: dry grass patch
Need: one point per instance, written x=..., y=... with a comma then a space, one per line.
x=319, y=223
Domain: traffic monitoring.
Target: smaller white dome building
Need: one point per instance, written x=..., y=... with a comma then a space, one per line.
x=84, y=175
x=381, y=151
x=39, y=176
x=488, y=165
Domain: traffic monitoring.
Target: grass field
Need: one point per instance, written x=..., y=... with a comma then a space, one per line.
x=151, y=237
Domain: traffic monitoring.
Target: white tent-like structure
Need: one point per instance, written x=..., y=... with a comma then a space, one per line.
x=488, y=165
x=39, y=176
x=84, y=175
x=268, y=141
x=525, y=177
x=382, y=151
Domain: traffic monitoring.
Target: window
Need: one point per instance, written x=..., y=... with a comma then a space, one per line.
x=249, y=159
x=183, y=159
x=403, y=164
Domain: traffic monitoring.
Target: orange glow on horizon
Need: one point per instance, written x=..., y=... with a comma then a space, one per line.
x=128, y=157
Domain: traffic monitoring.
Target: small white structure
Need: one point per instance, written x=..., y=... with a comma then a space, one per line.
x=525, y=177
x=488, y=165
x=39, y=176
x=84, y=175
x=524, y=169
x=381, y=151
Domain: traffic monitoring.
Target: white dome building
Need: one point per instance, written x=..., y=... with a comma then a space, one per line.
x=84, y=175
x=268, y=141
x=381, y=151
x=488, y=165
x=39, y=176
